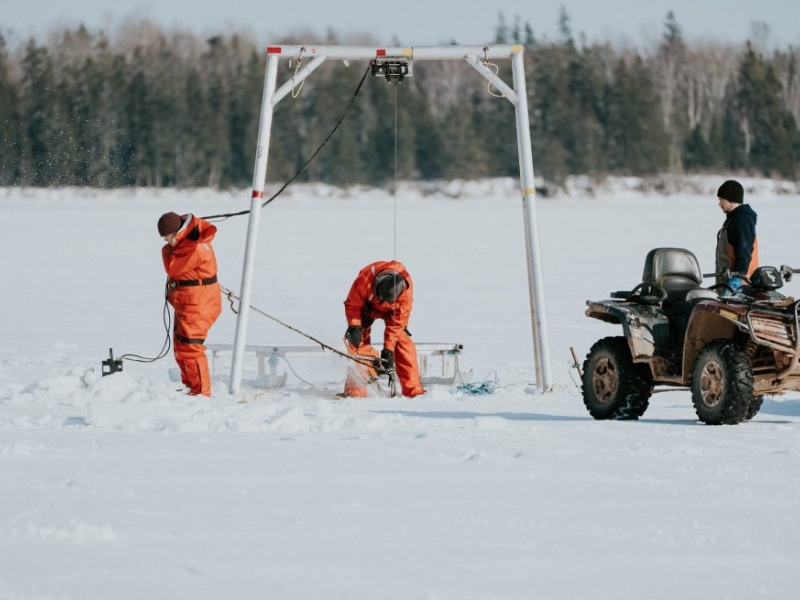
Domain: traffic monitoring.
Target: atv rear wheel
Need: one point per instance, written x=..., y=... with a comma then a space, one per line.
x=722, y=384
x=613, y=386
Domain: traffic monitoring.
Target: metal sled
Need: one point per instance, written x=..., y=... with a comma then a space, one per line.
x=438, y=363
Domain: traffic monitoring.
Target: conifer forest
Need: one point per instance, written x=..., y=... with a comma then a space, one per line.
x=148, y=106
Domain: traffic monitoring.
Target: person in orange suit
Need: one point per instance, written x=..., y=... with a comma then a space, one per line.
x=193, y=292
x=382, y=290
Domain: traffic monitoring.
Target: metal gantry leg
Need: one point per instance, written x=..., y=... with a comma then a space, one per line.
x=259, y=179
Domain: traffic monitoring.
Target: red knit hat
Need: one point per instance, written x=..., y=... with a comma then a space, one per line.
x=169, y=223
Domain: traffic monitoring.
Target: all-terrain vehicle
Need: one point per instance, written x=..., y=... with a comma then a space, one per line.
x=730, y=349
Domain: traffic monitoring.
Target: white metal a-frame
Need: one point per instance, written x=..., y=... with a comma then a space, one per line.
x=476, y=56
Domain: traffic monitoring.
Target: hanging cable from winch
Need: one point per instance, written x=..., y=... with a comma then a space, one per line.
x=224, y=216
x=394, y=188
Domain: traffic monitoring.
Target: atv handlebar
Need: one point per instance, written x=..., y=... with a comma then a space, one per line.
x=785, y=270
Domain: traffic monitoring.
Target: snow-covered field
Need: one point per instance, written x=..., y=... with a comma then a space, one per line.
x=122, y=488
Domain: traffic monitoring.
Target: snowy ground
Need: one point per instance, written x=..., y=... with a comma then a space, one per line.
x=122, y=488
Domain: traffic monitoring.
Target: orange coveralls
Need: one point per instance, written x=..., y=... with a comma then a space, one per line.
x=194, y=293
x=362, y=307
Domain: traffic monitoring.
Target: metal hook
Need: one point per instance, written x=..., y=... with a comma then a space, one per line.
x=299, y=57
x=296, y=91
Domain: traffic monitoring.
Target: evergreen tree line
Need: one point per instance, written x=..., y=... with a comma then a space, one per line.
x=158, y=108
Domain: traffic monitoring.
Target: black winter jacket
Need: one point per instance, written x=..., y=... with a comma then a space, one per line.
x=737, y=238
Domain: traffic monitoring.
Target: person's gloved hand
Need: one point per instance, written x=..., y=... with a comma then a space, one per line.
x=353, y=335
x=387, y=359
x=736, y=283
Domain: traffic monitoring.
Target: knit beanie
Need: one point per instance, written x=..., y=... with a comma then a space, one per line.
x=732, y=191
x=169, y=223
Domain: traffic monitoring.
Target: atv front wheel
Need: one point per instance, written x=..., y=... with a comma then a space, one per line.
x=722, y=384
x=754, y=407
x=613, y=386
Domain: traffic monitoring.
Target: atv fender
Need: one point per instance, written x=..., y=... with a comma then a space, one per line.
x=707, y=323
x=644, y=326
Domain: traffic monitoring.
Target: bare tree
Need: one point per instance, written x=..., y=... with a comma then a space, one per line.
x=709, y=69
x=670, y=66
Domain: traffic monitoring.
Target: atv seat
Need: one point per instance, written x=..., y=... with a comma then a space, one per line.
x=678, y=272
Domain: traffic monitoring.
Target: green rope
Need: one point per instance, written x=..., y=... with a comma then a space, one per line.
x=479, y=388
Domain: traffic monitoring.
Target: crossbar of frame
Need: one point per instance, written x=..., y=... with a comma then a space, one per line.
x=493, y=52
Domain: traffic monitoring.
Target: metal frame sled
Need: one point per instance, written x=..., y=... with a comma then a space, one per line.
x=438, y=363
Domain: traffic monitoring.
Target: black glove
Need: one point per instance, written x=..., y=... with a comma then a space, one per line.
x=353, y=335
x=387, y=359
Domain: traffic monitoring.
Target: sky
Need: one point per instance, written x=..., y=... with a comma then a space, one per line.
x=417, y=22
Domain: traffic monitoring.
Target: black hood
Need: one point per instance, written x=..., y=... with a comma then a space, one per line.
x=744, y=212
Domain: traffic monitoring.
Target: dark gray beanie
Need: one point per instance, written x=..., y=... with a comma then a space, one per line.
x=389, y=285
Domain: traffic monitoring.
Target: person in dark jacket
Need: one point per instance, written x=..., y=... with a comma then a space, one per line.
x=737, y=243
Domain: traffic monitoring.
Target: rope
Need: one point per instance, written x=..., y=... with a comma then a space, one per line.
x=167, y=342
x=224, y=216
x=489, y=85
x=571, y=376
x=296, y=91
x=489, y=65
x=575, y=365
x=363, y=361
x=288, y=364
x=483, y=388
